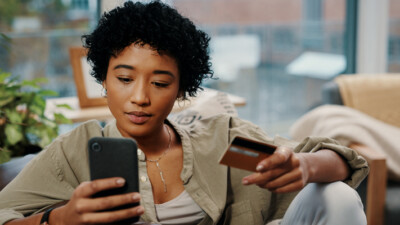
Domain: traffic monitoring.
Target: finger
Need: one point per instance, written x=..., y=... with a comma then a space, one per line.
x=112, y=216
x=296, y=186
x=89, y=188
x=284, y=180
x=263, y=178
x=104, y=203
x=280, y=156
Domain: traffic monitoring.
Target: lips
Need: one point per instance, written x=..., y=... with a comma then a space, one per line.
x=138, y=117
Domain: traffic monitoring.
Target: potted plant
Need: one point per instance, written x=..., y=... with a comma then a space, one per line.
x=24, y=127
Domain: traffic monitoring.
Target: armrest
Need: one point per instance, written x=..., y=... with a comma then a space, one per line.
x=9, y=170
x=369, y=154
x=376, y=186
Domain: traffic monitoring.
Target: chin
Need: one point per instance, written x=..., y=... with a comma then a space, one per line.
x=136, y=130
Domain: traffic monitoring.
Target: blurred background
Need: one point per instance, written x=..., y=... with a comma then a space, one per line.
x=275, y=53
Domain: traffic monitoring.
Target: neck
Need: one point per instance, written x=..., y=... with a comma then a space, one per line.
x=157, y=144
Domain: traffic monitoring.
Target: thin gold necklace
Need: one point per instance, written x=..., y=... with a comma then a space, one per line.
x=157, y=160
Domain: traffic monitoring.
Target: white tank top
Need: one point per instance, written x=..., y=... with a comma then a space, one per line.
x=180, y=210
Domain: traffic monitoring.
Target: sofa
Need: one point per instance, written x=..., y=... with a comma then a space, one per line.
x=10, y=169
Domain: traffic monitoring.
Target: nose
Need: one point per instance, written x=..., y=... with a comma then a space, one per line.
x=139, y=94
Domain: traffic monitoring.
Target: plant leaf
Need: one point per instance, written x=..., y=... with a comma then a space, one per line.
x=5, y=101
x=40, y=80
x=66, y=106
x=34, y=131
x=29, y=83
x=47, y=93
x=34, y=109
x=61, y=119
x=38, y=105
x=14, y=116
x=26, y=97
x=49, y=123
x=3, y=76
x=5, y=41
x=46, y=136
x=5, y=155
x=13, y=133
x=13, y=88
x=5, y=37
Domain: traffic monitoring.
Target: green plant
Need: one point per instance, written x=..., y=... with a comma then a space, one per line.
x=24, y=127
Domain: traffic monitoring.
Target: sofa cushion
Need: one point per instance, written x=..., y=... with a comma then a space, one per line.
x=10, y=169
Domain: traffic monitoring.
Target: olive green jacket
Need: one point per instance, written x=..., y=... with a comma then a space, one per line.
x=52, y=175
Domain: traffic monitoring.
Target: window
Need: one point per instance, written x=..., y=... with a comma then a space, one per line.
x=277, y=53
x=394, y=37
x=41, y=31
x=80, y=5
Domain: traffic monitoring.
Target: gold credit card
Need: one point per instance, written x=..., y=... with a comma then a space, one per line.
x=244, y=153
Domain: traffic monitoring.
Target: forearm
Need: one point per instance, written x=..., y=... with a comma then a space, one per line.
x=31, y=220
x=325, y=166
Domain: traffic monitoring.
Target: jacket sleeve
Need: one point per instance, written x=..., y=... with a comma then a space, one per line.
x=357, y=164
x=50, y=177
x=38, y=185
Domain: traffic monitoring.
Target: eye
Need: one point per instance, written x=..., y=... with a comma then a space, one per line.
x=159, y=84
x=124, y=79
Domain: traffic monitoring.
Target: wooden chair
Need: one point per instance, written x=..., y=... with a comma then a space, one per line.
x=377, y=186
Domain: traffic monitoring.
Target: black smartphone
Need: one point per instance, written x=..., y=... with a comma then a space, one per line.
x=115, y=157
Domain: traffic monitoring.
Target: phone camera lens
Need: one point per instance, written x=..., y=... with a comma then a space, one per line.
x=96, y=147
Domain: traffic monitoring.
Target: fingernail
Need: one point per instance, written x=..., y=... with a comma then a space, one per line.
x=259, y=167
x=135, y=197
x=140, y=210
x=245, y=182
x=120, y=181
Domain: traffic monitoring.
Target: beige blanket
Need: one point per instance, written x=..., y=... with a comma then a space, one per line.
x=349, y=125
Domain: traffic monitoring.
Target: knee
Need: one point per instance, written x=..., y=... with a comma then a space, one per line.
x=340, y=195
x=331, y=203
x=336, y=193
x=342, y=203
x=339, y=192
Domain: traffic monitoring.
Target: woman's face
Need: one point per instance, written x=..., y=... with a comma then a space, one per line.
x=142, y=87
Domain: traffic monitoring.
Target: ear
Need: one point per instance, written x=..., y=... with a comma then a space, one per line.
x=104, y=85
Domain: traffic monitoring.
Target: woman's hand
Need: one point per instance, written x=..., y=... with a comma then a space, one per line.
x=285, y=171
x=83, y=209
x=281, y=172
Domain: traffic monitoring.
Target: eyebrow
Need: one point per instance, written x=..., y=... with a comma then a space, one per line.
x=166, y=72
x=124, y=66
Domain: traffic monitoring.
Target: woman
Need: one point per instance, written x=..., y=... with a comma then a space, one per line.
x=146, y=56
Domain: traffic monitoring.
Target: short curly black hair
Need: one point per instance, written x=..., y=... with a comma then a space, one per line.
x=158, y=25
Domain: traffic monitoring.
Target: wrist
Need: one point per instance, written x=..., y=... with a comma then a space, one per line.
x=309, y=171
x=53, y=217
x=45, y=217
